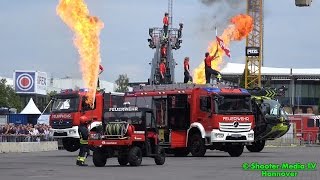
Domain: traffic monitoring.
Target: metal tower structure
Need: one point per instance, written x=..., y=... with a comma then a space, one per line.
x=170, y=7
x=254, y=45
x=157, y=41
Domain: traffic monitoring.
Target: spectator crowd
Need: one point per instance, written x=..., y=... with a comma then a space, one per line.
x=24, y=133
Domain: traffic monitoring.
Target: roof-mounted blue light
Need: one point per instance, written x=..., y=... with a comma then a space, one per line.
x=84, y=90
x=216, y=90
x=244, y=90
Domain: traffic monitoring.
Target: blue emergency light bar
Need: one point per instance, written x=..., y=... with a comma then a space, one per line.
x=216, y=90
x=244, y=90
x=84, y=90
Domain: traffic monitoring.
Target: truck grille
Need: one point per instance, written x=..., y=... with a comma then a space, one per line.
x=61, y=124
x=229, y=127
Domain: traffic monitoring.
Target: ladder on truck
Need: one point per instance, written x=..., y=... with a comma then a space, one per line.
x=177, y=86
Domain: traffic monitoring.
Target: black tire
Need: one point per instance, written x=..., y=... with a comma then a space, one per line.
x=99, y=158
x=71, y=144
x=181, y=152
x=197, y=146
x=160, y=157
x=123, y=159
x=235, y=150
x=135, y=156
x=256, y=146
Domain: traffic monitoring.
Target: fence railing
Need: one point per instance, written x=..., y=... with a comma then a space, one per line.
x=294, y=139
x=25, y=138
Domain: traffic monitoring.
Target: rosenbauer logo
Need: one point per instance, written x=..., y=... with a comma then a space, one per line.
x=235, y=118
x=25, y=82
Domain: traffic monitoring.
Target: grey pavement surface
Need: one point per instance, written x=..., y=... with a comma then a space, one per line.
x=60, y=165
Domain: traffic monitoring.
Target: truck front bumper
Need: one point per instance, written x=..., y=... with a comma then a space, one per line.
x=221, y=136
x=63, y=133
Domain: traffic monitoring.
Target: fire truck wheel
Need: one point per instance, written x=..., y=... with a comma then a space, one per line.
x=160, y=157
x=256, y=146
x=71, y=144
x=99, y=158
x=197, y=146
x=183, y=152
x=135, y=156
x=123, y=159
x=235, y=150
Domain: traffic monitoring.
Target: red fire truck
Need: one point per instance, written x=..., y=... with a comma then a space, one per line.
x=306, y=127
x=131, y=133
x=69, y=105
x=194, y=118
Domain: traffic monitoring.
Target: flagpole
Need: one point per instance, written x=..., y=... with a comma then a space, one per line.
x=216, y=31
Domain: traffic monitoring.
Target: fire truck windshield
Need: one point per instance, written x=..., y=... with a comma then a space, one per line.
x=128, y=116
x=234, y=104
x=65, y=104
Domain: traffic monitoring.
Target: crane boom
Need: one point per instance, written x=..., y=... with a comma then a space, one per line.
x=254, y=40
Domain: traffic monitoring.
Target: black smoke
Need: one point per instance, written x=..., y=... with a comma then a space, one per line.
x=218, y=13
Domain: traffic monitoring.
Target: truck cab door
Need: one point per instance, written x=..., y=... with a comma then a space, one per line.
x=89, y=111
x=178, y=119
x=205, y=112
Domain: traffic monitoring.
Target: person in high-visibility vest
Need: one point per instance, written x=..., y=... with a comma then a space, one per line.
x=84, y=134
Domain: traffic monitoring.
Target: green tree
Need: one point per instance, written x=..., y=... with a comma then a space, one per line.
x=52, y=93
x=122, y=83
x=8, y=97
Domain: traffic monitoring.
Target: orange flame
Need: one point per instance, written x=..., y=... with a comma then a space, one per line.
x=87, y=30
x=241, y=25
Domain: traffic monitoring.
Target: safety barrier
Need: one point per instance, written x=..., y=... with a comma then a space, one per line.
x=24, y=138
x=296, y=139
x=27, y=143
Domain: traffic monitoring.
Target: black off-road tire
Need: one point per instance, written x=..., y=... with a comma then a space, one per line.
x=123, y=159
x=99, y=158
x=135, y=156
x=160, y=157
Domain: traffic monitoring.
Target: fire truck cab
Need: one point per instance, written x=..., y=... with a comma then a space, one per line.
x=306, y=127
x=69, y=105
x=194, y=118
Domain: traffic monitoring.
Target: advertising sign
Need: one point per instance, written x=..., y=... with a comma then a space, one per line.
x=24, y=81
x=252, y=51
x=41, y=83
x=30, y=82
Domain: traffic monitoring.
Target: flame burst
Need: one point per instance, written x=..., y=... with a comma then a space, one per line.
x=86, y=38
x=241, y=25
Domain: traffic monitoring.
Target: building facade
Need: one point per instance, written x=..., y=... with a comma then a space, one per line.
x=303, y=94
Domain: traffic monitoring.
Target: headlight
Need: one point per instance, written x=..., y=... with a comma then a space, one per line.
x=219, y=135
x=251, y=135
x=72, y=131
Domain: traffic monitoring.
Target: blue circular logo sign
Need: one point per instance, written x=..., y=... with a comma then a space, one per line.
x=25, y=82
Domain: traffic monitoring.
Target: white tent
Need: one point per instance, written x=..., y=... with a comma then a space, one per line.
x=30, y=108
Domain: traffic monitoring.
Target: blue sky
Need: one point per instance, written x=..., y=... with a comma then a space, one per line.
x=33, y=37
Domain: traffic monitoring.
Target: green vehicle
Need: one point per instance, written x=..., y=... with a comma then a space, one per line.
x=271, y=121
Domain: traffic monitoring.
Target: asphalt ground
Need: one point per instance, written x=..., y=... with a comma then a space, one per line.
x=60, y=165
